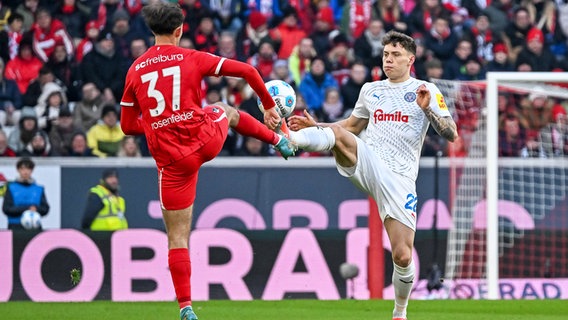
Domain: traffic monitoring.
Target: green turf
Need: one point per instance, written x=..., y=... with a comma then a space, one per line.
x=292, y=309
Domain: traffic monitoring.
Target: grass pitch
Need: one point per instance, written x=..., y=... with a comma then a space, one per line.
x=292, y=309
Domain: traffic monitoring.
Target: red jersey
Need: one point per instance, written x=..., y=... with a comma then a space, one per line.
x=164, y=86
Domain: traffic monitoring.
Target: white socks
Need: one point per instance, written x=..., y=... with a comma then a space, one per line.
x=402, y=279
x=314, y=138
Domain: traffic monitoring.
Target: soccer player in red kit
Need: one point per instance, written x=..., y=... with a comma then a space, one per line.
x=162, y=100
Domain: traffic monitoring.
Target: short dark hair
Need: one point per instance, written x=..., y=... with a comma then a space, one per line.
x=25, y=163
x=394, y=38
x=15, y=16
x=163, y=18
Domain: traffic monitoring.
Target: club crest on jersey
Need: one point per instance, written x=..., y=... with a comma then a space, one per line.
x=441, y=101
x=215, y=110
x=397, y=116
x=410, y=97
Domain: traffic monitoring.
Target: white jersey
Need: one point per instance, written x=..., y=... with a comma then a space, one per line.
x=397, y=125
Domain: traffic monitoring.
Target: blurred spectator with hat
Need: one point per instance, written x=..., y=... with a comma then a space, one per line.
x=22, y=134
x=48, y=112
x=500, y=60
x=103, y=67
x=105, y=137
x=86, y=44
x=369, y=46
x=271, y=9
x=65, y=70
x=305, y=14
x=324, y=24
x=122, y=34
x=39, y=146
x=47, y=32
x=288, y=33
x=555, y=135
x=73, y=14
x=536, y=54
x=105, y=208
x=256, y=29
x=23, y=194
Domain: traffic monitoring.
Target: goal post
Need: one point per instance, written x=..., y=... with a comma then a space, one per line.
x=492, y=156
x=508, y=199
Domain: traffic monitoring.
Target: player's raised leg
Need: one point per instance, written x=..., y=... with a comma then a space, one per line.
x=401, y=238
x=334, y=137
x=247, y=125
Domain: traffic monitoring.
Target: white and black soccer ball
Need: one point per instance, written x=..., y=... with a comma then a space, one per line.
x=30, y=220
x=284, y=96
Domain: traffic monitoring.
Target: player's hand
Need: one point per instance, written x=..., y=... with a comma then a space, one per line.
x=271, y=118
x=296, y=122
x=423, y=98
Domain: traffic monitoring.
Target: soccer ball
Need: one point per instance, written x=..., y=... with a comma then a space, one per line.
x=30, y=220
x=284, y=96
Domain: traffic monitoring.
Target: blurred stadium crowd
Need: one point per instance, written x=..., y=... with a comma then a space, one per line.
x=64, y=62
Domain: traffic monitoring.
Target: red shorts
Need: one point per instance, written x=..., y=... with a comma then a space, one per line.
x=177, y=182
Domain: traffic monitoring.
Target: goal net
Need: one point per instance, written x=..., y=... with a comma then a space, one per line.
x=508, y=185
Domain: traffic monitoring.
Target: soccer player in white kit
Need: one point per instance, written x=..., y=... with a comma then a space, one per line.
x=395, y=113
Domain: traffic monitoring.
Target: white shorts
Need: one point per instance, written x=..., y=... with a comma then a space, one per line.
x=394, y=194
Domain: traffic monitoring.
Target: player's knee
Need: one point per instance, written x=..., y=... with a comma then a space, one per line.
x=402, y=257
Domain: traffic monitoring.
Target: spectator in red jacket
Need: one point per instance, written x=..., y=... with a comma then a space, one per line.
x=92, y=30
x=288, y=33
x=24, y=67
x=47, y=32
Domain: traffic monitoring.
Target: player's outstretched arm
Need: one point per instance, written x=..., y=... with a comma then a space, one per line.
x=130, y=121
x=444, y=126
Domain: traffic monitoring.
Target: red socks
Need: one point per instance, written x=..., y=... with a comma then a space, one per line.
x=180, y=269
x=249, y=126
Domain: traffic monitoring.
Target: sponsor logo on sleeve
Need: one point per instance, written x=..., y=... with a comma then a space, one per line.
x=441, y=102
